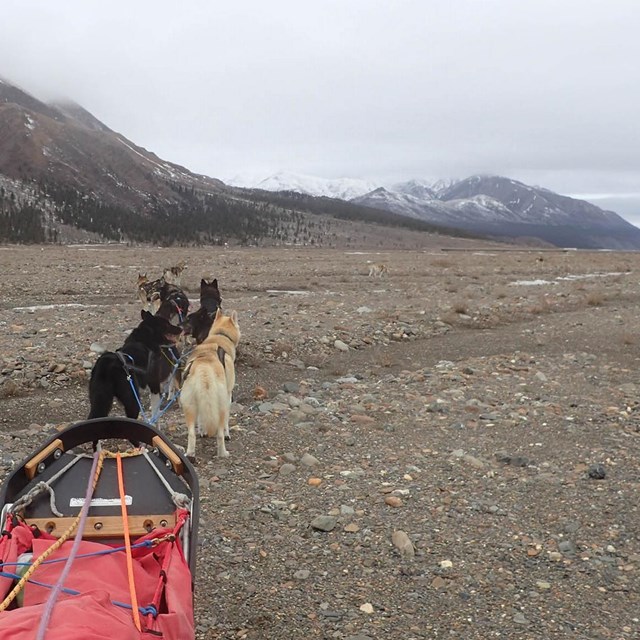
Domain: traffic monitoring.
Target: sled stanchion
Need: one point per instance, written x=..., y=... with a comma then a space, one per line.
x=31, y=468
x=174, y=458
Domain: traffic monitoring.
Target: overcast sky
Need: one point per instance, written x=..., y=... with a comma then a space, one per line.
x=545, y=91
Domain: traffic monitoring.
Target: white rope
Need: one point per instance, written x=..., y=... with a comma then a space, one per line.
x=41, y=487
x=179, y=499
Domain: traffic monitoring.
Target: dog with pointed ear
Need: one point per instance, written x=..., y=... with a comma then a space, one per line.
x=209, y=378
x=173, y=275
x=136, y=365
x=149, y=291
x=378, y=270
x=198, y=323
x=142, y=294
x=210, y=297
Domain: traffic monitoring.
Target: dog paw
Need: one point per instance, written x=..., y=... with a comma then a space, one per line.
x=193, y=460
x=227, y=437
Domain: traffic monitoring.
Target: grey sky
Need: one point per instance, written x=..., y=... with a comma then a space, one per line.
x=545, y=91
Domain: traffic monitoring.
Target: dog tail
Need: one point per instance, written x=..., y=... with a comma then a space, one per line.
x=101, y=386
x=214, y=411
x=210, y=399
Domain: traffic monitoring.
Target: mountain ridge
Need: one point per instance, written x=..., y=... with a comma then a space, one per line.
x=503, y=207
x=341, y=188
x=61, y=169
x=64, y=176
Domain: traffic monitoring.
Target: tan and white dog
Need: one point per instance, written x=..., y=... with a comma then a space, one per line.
x=149, y=290
x=208, y=381
x=173, y=275
x=378, y=270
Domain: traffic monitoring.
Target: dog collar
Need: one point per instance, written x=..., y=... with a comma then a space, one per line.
x=224, y=335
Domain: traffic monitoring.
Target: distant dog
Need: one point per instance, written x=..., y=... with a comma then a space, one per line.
x=173, y=275
x=209, y=378
x=136, y=365
x=378, y=270
x=142, y=279
x=172, y=303
x=198, y=323
x=149, y=290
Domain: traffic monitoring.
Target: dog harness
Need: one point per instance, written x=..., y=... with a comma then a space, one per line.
x=221, y=354
x=128, y=362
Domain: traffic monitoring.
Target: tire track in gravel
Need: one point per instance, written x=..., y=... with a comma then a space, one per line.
x=551, y=335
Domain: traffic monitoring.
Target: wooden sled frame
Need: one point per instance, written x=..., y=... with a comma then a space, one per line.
x=105, y=521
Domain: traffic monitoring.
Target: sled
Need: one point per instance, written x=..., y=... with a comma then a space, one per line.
x=99, y=544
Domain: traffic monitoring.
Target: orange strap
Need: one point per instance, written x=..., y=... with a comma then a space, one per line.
x=127, y=544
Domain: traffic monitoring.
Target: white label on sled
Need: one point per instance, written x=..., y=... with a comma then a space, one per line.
x=101, y=502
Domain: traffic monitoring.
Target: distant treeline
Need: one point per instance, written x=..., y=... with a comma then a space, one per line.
x=194, y=217
x=349, y=211
x=20, y=223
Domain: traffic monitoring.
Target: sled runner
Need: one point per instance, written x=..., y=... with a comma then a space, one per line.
x=99, y=544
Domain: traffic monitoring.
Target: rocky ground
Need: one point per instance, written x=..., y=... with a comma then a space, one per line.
x=448, y=452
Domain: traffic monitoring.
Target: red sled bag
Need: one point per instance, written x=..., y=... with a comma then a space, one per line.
x=116, y=563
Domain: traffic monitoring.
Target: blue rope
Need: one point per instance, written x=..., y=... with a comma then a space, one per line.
x=160, y=411
x=133, y=388
x=135, y=393
x=74, y=592
x=138, y=545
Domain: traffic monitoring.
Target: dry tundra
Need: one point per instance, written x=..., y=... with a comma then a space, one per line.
x=448, y=452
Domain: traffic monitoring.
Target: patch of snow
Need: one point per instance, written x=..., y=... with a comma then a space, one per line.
x=115, y=179
x=586, y=276
x=90, y=247
x=69, y=305
x=570, y=278
x=530, y=283
x=142, y=155
x=342, y=188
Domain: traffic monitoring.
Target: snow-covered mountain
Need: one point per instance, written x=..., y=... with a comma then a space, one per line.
x=406, y=204
x=416, y=188
x=494, y=205
x=341, y=188
x=489, y=205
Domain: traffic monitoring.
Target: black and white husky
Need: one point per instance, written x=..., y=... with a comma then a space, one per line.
x=139, y=363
